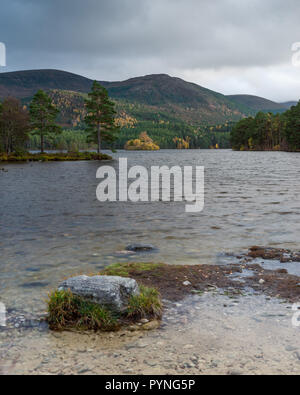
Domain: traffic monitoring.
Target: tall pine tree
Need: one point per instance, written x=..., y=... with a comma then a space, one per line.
x=43, y=115
x=100, y=118
x=292, y=118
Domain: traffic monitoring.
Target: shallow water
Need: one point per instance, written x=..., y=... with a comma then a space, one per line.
x=52, y=225
x=208, y=334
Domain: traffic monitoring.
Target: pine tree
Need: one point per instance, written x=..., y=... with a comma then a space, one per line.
x=100, y=118
x=43, y=116
x=293, y=127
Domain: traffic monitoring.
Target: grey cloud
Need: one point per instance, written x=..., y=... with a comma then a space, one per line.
x=116, y=39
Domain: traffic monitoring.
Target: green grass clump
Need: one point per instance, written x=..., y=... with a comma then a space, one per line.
x=67, y=311
x=125, y=269
x=146, y=305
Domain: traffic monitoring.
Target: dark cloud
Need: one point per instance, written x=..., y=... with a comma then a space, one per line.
x=116, y=39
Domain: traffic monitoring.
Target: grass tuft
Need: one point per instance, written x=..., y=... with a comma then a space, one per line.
x=67, y=311
x=146, y=305
x=125, y=269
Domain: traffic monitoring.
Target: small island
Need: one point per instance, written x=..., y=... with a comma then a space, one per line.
x=52, y=157
x=143, y=143
x=18, y=125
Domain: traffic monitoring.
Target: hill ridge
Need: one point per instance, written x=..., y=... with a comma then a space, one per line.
x=258, y=103
x=150, y=94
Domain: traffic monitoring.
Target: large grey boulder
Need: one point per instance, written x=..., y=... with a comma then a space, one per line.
x=108, y=291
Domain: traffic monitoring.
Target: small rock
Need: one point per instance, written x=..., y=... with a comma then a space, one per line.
x=188, y=347
x=297, y=355
x=187, y=365
x=261, y=281
x=144, y=321
x=128, y=371
x=290, y=348
x=84, y=371
x=235, y=373
x=142, y=345
x=133, y=328
x=150, y=363
x=151, y=325
x=229, y=328
x=187, y=283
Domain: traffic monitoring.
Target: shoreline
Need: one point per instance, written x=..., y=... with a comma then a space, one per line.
x=54, y=157
x=203, y=335
x=222, y=322
x=175, y=283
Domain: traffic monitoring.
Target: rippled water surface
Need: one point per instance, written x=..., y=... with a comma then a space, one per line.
x=52, y=224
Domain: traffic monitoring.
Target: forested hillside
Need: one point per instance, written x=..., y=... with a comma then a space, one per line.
x=173, y=112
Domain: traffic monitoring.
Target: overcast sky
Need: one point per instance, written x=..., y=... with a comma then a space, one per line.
x=231, y=46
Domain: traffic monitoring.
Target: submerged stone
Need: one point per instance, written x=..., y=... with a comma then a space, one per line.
x=151, y=325
x=111, y=292
x=33, y=269
x=141, y=248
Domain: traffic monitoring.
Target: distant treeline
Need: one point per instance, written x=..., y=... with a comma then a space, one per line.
x=165, y=129
x=268, y=132
x=167, y=136
x=35, y=126
x=67, y=140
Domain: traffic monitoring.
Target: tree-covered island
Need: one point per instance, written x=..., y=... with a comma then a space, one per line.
x=18, y=125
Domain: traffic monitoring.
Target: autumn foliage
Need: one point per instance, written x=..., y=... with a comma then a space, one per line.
x=143, y=143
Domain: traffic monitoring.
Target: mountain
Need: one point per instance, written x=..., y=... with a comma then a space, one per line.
x=256, y=103
x=187, y=101
x=153, y=98
x=149, y=95
x=161, y=89
x=23, y=84
x=289, y=104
